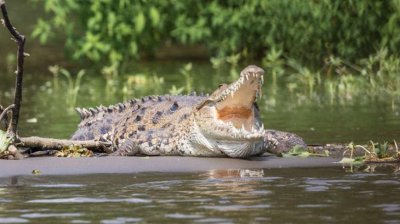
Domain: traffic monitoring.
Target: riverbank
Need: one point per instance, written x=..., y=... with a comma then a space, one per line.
x=102, y=165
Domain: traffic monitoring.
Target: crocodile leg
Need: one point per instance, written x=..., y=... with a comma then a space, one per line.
x=277, y=142
x=127, y=148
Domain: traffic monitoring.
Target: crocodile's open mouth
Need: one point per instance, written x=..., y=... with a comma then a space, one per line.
x=228, y=121
x=234, y=105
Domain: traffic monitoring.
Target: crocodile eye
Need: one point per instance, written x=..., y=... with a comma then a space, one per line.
x=203, y=103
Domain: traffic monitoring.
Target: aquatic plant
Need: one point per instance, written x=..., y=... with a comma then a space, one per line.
x=4, y=141
x=74, y=151
x=373, y=153
x=274, y=63
x=138, y=85
x=110, y=74
x=175, y=90
x=376, y=78
x=73, y=85
x=300, y=151
x=186, y=71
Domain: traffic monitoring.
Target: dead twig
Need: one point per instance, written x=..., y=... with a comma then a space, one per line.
x=20, y=40
x=3, y=114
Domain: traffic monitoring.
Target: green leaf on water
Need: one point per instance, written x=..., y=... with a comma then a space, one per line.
x=346, y=160
x=298, y=151
x=353, y=161
x=35, y=172
x=4, y=141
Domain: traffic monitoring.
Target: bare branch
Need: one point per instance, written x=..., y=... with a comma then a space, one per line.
x=20, y=69
x=58, y=144
x=3, y=113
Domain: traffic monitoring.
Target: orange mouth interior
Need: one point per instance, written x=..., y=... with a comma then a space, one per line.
x=228, y=113
x=238, y=116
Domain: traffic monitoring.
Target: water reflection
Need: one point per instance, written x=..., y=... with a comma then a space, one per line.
x=372, y=168
x=308, y=195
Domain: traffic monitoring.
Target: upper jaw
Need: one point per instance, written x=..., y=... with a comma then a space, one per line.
x=249, y=85
x=234, y=109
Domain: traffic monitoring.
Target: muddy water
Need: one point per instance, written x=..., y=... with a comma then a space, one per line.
x=317, y=195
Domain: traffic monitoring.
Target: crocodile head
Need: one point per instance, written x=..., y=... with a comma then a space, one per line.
x=228, y=121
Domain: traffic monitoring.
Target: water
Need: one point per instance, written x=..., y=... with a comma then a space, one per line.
x=307, y=195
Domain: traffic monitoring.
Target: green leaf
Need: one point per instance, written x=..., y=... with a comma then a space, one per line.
x=4, y=141
x=347, y=160
x=155, y=16
x=140, y=22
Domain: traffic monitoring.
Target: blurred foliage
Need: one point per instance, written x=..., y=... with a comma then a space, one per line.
x=375, y=78
x=309, y=31
x=73, y=86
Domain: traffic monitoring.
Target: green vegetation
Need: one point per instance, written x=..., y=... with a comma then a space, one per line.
x=308, y=31
x=374, y=152
x=376, y=78
x=4, y=142
x=74, y=151
x=331, y=51
x=73, y=87
x=300, y=151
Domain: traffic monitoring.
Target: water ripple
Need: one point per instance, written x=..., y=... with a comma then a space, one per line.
x=90, y=200
x=12, y=220
x=235, y=207
x=121, y=220
x=58, y=185
x=183, y=216
x=50, y=215
x=313, y=206
x=394, y=182
x=389, y=208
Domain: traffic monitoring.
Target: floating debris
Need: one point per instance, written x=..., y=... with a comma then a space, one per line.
x=74, y=151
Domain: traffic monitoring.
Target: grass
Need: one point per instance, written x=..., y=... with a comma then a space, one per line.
x=73, y=84
x=338, y=82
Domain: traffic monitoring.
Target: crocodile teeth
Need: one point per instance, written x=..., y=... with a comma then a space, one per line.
x=243, y=129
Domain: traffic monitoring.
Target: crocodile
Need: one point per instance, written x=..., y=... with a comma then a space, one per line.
x=225, y=123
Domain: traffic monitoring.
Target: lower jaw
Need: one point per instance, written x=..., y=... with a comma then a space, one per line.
x=240, y=149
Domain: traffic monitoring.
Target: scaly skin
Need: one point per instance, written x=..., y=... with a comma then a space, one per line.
x=224, y=124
